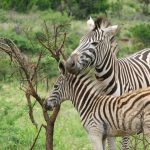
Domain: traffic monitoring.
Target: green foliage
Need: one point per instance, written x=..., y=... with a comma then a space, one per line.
x=45, y=4
x=21, y=40
x=116, y=7
x=54, y=17
x=49, y=66
x=81, y=9
x=78, y=8
x=145, y=6
x=24, y=5
x=3, y=16
x=18, y=5
x=72, y=42
x=141, y=32
x=6, y=69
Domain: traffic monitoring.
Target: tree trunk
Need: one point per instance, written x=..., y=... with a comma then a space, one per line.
x=50, y=127
x=49, y=136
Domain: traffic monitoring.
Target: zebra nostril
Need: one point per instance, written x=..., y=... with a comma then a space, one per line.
x=81, y=57
x=72, y=63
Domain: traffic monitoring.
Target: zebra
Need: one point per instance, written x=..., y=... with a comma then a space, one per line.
x=98, y=49
x=102, y=116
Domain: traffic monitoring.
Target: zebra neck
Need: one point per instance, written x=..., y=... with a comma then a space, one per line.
x=107, y=68
x=107, y=74
x=82, y=90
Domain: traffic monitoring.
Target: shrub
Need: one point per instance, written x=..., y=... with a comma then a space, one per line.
x=49, y=66
x=45, y=4
x=22, y=41
x=5, y=68
x=142, y=33
x=3, y=17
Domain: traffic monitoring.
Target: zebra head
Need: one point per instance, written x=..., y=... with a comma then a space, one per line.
x=58, y=94
x=93, y=46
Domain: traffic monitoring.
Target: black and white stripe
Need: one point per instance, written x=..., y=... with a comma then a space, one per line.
x=103, y=116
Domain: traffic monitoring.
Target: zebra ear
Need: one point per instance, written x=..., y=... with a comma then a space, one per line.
x=112, y=30
x=91, y=23
x=62, y=67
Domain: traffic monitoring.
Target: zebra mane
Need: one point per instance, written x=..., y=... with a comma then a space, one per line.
x=101, y=23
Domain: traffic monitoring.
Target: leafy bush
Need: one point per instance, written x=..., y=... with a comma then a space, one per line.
x=24, y=5
x=83, y=8
x=5, y=68
x=45, y=4
x=3, y=17
x=49, y=66
x=72, y=42
x=116, y=8
x=141, y=32
x=54, y=17
x=79, y=9
x=21, y=41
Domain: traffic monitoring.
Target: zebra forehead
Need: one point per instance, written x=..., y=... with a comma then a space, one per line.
x=95, y=35
x=97, y=32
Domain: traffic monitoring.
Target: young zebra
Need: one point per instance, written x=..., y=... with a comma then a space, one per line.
x=102, y=116
x=119, y=76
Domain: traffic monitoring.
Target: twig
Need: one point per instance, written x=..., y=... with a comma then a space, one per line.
x=37, y=65
x=36, y=137
x=30, y=109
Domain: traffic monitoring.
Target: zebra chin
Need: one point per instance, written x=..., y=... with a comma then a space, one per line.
x=73, y=71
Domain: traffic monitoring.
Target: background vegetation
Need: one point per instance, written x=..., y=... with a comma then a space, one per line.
x=23, y=22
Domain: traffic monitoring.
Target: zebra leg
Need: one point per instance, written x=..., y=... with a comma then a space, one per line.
x=104, y=144
x=125, y=143
x=97, y=141
x=147, y=133
x=111, y=143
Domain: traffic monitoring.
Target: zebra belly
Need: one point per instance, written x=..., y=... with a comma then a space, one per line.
x=119, y=132
x=127, y=127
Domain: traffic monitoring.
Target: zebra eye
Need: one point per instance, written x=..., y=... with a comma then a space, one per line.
x=94, y=43
x=56, y=86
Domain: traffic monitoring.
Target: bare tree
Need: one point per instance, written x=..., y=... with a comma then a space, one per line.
x=28, y=71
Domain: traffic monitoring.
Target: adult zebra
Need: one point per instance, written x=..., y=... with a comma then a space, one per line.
x=119, y=76
x=102, y=116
